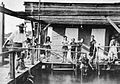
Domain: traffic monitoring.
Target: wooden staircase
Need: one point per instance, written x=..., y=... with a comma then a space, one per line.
x=62, y=66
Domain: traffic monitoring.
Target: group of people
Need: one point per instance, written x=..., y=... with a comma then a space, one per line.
x=19, y=39
x=74, y=47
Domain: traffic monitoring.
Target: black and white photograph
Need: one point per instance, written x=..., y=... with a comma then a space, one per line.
x=59, y=41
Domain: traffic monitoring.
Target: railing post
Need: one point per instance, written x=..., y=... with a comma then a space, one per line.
x=1, y=34
x=12, y=65
x=98, y=67
x=33, y=38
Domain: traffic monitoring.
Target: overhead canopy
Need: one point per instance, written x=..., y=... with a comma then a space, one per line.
x=68, y=13
x=74, y=13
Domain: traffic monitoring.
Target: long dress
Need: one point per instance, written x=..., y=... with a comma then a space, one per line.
x=113, y=50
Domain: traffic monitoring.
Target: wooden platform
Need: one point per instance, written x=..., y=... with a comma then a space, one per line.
x=59, y=66
x=4, y=72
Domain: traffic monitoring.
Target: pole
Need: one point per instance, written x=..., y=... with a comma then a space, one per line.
x=12, y=65
x=2, y=34
x=33, y=38
x=39, y=31
x=98, y=67
x=3, y=28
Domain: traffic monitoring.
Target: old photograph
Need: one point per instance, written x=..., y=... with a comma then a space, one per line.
x=59, y=41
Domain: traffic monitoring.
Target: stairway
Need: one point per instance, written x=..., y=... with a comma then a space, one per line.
x=62, y=66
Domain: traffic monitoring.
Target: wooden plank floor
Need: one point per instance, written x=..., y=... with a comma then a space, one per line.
x=4, y=71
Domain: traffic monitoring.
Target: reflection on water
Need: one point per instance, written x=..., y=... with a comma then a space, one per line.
x=69, y=77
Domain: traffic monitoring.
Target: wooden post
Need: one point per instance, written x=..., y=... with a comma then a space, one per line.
x=39, y=31
x=12, y=65
x=3, y=28
x=32, y=56
x=1, y=35
x=39, y=40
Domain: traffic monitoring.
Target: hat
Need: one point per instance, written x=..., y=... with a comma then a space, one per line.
x=21, y=26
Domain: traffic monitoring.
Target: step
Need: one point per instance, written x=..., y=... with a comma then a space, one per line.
x=63, y=69
x=62, y=66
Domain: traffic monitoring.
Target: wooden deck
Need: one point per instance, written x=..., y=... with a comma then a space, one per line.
x=4, y=72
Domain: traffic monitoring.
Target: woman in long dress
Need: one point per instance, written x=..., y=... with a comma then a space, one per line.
x=113, y=50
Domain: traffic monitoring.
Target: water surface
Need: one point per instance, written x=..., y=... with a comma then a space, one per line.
x=70, y=77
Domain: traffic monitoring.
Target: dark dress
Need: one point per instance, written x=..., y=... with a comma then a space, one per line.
x=79, y=45
x=73, y=48
x=47, y=46
x=92, y=49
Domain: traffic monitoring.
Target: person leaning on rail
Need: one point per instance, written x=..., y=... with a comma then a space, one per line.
x=79, y=48
x=17, y=39
x=112, y=54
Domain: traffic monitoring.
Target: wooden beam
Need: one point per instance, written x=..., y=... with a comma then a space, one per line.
x=75, y=11
x=46, y=26
x=2, y=24
x=113, y=24
x=78, y=19
x=18, y=15
x=12, y=65
x=33, y=38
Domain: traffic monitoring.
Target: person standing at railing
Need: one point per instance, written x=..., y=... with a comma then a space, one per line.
x=47, y=45
x=17, y=39
x=73, y=48
x=65, y=47
x=92, y=49
x=79, y=47
x=28, y=45
x=112, y=54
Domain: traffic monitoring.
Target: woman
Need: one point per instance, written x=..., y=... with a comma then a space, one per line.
x=112, y=54
x=92, y=48
x=79, y=47
x=65, y=47
x=73, y=48
x=47, y=45
x=113, y=49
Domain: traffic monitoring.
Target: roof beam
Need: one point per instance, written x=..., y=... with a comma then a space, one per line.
x=113, y=24
x=16, y=14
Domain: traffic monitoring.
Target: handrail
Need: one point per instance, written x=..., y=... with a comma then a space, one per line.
x=10, y=51
x=103, y=50
x=61, y=57
x=44, y=49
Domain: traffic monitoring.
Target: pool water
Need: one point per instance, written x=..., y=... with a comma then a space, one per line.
x=71, y=77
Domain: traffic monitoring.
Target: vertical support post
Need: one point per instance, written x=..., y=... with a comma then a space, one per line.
x=39, y=40
x=2, y=34
x=39, y=31
x=12, y=65
x=98, y=67
x=76, y=53
x=32, y=56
